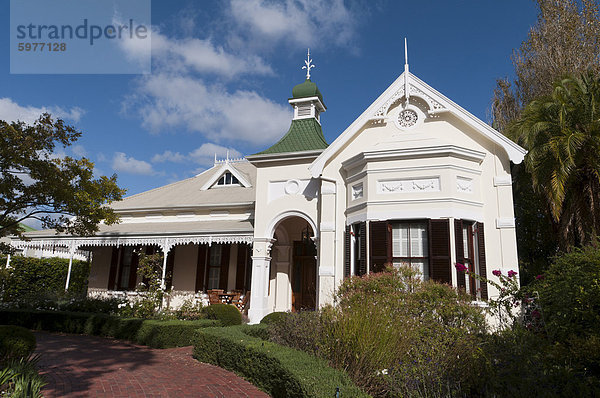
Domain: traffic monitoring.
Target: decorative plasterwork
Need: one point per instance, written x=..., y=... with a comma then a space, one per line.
x=357, y=191
x=412, y=185
x=279, y=189
x=434, y=106
x=464, y=185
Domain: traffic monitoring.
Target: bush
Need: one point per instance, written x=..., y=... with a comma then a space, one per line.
x=153, y=333
x=20, y=378
x=281, y=371
x=15, y=342
x=33, y=278
x=274, y=317
x=394, y=334
x=226, y=314
x=190, y=310
x=92, y=305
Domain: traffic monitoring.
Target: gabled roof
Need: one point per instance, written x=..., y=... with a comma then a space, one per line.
x=227, y=167
x=189, y=194
x=303, y=135
x=438, y=103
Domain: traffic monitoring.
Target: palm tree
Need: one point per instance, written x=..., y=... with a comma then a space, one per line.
x=562, y=134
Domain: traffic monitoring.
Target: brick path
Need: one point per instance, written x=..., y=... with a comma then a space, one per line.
x=85, y=366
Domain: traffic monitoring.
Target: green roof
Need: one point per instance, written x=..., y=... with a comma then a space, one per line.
x=306, y=90
x=26, y=228
x=303, y=135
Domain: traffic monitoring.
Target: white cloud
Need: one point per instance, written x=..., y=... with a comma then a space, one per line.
x=122, y=163
x=203, y=155
x=169, y=101
x=78, y=150
x=304, y=22
x=10, y=111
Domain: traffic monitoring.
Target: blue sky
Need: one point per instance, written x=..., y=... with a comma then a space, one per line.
x=222, y=72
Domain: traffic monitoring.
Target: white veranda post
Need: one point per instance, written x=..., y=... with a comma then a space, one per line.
x=71, y=254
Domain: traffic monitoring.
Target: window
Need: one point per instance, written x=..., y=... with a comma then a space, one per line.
x=410, y=246
x=468, y=242
x=214, y=266
x=228, y=179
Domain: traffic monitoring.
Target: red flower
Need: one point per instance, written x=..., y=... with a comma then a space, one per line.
x=511, y=273
x=496, y=272
x=537, y=278
x=535, y=313
x=460, y=267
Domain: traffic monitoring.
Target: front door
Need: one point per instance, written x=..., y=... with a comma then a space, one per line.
x=304, y=276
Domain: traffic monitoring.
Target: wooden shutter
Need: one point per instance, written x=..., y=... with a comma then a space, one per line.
x=135, y=260
x=379, y=237
x=224, y=275
x=201, y=268
x=347, y=251
x=460, y=252
x=242, y=264
x=481, y=254
x=170, y=266
x=439, y=251
x=114, y=264
x=362, y=242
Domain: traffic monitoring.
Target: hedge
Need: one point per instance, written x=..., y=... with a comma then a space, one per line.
x=153, y=333
x=227, y=314
x=16, y=342
x=278, y=370
x=36, y=278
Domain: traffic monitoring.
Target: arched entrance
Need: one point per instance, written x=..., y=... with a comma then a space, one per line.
x=293, y=274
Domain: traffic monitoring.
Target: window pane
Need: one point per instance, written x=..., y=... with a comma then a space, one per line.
x=466, y=241
x=234, y=180
x=228, y=178
x=215, y=256
x=213, y=277
x=418, y=240
x=221, y=181
x=422, y=266
x=400, y=240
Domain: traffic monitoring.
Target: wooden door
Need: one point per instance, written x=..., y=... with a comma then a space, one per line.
x=304, y=277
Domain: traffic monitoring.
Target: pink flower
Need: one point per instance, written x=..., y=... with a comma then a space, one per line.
x=511, y=273
x=539, y=277
x=496, y=272
x=460, y=267
x=535, y=313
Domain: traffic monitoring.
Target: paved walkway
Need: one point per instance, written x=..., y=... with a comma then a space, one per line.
x=85, y=366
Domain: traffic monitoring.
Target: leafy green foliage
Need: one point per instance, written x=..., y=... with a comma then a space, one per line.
x=190, y=310
x=273, y=317
x=15, y=342
x=226, y=314
x=154, y=333
x=394, y=334
x=21, y=378
x=33, y=279
x=281, y=371
x=62, y=193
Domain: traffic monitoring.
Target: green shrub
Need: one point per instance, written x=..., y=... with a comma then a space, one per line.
x=33, y=279
x=20, y=378
x=226, y=314
x=394, y=334
x=153, y=333
x=15, y=342
x=190, y=309
x=274, y=317
x=92, y=305
x=281, y=371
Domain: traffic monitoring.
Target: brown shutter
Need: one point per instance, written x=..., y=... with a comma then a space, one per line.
x=460, y=252
x=481, y=254
x=224, y=266
x=362, y=242
x=170, y=266
x=114, y=264
x=201, y=268
x=135, y=260
x=439, y=251
x=242, y=263
x=379, y=236
x=347, y=251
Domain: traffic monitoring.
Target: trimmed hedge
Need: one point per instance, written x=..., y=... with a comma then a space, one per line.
x=226, y=314
x=274, y=317
x=153, y=333
x=278, y=370
x=16, y=342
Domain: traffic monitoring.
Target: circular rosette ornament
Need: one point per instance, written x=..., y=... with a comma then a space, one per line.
x=407, y=118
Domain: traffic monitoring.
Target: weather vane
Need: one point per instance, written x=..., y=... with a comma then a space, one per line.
x=308, y=65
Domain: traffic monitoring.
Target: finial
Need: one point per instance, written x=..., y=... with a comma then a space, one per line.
x=406, y=74
x=308, y=65
x=215, y=158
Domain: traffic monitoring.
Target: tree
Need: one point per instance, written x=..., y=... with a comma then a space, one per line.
x=35, y=183
x=564, y=40
x=562, y=133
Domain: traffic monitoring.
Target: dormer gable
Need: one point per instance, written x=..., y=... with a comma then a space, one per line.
x=226, y=175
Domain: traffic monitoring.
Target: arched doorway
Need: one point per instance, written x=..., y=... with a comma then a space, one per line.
x=293, y=274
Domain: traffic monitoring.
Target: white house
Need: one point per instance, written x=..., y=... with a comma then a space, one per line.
x=415, y=179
